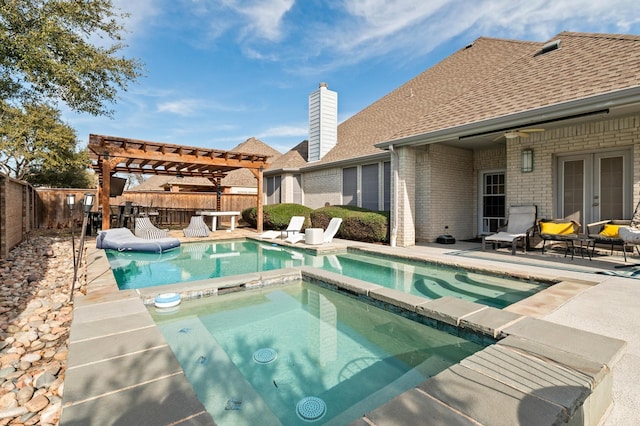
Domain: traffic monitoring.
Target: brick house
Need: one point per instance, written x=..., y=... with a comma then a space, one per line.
x=497, y=123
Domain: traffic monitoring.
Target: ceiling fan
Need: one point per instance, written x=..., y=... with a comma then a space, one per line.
x=521, y=133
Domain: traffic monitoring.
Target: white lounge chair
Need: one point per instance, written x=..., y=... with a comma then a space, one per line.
x=327, y=237
x=295, y=226
x=521, y=223
x=196, y=228
x=145, y=229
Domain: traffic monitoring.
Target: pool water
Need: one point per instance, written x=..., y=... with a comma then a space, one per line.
x=301, y=354
x=199, y=261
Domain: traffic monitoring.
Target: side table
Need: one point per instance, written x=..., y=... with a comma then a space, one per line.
x=313, y=235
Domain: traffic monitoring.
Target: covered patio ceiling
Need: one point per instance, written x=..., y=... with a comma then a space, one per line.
x=111, y=155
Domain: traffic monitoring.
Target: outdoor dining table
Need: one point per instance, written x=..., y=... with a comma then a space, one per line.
x=214, y=216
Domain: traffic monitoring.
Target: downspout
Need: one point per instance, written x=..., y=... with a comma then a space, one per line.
x=394, y=217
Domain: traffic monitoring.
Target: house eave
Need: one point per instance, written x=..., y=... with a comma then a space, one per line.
x=602, y=104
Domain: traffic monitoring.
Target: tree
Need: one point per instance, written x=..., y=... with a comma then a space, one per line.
x=45, y=53
x=34, y=140
x=75, y=175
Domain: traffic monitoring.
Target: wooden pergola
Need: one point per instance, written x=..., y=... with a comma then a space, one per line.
x=110, y=155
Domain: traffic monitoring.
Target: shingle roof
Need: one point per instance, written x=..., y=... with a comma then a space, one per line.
x=583, y=66
x=490, y=78
x=439, y=85
x=295, y=157
x=244, y=177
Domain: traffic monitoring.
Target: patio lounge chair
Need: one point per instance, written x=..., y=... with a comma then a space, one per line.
x=520, y=224
x=295, y=226
x=327, y=237
x=559, y=230
x=196, y=228
x=145, y=229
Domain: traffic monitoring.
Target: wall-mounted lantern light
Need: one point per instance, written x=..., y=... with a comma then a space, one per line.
x=527, y=160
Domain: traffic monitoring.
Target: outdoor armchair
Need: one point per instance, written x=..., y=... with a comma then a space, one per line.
x=606, y=232
x=557, y=230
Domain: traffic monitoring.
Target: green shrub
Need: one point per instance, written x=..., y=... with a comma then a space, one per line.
x=277, y=216
x=358, y=224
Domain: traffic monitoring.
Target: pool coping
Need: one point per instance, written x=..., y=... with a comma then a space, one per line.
x=112, y=333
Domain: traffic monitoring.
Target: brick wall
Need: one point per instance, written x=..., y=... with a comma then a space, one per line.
x=445, y=193
x=407, y=169
x=538, y=187
x=321, y=187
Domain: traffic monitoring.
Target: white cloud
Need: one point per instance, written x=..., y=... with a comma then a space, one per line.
x=262, y=18
x=184, y=107
x=287, y=131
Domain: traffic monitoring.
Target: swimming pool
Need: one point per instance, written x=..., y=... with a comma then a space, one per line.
x=201, y=261
x=301, y=354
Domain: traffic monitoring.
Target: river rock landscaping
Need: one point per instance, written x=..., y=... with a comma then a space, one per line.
x=35, y=317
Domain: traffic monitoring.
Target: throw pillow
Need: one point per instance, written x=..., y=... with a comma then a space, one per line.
x=554, y=228
x=610, y=230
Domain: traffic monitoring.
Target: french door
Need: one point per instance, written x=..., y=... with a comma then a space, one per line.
x=594, y=186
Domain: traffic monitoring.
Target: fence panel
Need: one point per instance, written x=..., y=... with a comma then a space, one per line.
x=174, y=209
x=18, y=207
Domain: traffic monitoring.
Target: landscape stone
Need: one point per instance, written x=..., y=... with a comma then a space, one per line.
x=35, y=316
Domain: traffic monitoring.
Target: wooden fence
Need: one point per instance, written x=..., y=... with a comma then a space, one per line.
x=18, y=212
x=24, y=208
x=174, y=208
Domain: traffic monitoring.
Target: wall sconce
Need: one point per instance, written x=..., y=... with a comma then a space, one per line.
x=527, y=160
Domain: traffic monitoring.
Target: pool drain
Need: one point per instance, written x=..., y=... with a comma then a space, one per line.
x=311, y=408
x=265, y=355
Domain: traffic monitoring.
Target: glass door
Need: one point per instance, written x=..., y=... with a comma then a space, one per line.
x=593, y=187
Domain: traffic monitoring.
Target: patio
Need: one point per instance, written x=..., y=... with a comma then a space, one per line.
x=572, y=303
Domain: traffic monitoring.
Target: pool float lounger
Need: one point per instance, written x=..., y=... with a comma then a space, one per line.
x=122, y=239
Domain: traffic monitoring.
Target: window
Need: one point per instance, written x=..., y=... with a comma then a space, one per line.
x=297, y=189
x=370, y=187
x=350, y=186
x=387, y=186
x=493, y=202
x=272, y=189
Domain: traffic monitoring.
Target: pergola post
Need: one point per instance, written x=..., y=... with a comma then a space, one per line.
x=104, y=192
x=259, y=212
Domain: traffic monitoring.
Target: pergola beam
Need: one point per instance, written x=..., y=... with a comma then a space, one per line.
x=111, y=155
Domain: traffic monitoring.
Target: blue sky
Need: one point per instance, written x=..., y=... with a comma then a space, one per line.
x=220, y=71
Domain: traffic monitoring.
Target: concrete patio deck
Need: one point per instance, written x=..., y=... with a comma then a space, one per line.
x=121, y=371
